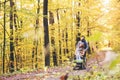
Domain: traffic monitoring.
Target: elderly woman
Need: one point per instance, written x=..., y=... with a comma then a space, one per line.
x=79, y=50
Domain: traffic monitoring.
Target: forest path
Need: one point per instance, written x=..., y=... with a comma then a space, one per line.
x=56, y=72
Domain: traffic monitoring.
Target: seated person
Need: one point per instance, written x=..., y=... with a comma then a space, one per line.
x=79, y=51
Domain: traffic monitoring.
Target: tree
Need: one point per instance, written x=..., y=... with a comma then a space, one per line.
x=4, y=42
x=11, y=37
x=46, y=32
x=35, y=52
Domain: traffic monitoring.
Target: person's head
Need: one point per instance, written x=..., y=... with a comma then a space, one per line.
x=82, y=38
x=81, y=45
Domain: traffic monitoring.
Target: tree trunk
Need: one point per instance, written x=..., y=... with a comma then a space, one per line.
x=36, y=32
x=11, y=38
x=46, y=33
x=78, y=19
x=4, y=42
x=17, y=50
x=59, y=42
x=51, y=18
x=35, y=43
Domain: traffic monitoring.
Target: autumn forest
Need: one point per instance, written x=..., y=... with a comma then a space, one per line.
x=42, y=34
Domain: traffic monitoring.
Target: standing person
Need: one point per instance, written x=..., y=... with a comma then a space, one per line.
x=85, y=44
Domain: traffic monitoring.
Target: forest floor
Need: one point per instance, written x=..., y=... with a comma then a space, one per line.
x=55, y=73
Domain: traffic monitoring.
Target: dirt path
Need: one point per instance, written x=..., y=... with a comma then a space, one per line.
x=56, y=72
x=51, y=74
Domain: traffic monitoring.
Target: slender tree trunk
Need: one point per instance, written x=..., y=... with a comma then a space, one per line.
x=17, y=52
x=59, y=42
x=15, y=19
x=78, y=25
x=11, y=37
x=46, y=33
x=51, y=18
x=36, y=32
x=78, y=19
x=4, y=42
x=33, y=52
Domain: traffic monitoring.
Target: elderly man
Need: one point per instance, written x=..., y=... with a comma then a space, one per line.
x=83, y=41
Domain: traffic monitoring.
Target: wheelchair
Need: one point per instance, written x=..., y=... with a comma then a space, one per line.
x=80, y=64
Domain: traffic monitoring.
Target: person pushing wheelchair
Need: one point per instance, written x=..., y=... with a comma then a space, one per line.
x=81, y=48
